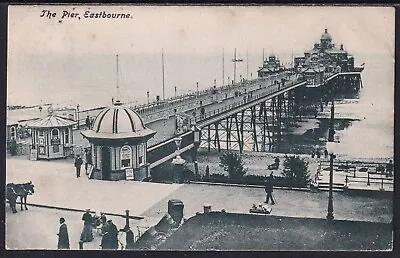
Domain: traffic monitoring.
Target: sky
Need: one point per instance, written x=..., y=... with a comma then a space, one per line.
x=56, y=59
x=197, y=29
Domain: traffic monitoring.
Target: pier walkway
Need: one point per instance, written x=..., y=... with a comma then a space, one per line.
x=177, y=116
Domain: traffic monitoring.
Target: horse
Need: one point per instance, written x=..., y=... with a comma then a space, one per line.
x=19, y=190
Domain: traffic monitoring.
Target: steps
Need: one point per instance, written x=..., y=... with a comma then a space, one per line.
x=336, y=187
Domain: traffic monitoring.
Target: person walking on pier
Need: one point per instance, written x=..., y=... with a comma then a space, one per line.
x=87, y=233
x=63, y=239
x=87, y=121
x=78, y=164
x=269, y=190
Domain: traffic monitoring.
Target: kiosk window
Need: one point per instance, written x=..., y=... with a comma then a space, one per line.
x=54, y=133
x=126, y=157
x=67, y=135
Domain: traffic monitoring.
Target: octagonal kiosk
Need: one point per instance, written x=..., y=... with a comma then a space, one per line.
x=52, y=136
x=118, y=139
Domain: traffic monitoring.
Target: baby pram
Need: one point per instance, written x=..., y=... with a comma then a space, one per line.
x=264, y=209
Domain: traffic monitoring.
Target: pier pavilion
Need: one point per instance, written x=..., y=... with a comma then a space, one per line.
x=52, y=136
x=118, y=139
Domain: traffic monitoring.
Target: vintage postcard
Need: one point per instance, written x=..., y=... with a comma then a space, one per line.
x=200, y=128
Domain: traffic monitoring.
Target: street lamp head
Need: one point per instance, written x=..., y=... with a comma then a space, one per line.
x=332, y=147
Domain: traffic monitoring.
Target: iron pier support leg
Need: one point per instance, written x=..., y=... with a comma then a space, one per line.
x=253, y=119
x=273, y=131
x=209, y=138
x=217, y=136
x=238, y=133
x=241, y=130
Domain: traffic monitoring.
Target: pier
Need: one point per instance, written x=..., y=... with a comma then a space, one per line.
x=249, y=115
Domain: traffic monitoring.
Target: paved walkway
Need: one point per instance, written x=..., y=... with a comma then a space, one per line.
x=56, y=185
x=288, y=203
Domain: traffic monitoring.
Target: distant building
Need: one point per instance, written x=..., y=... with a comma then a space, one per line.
x=271, y=66
x=325, y=53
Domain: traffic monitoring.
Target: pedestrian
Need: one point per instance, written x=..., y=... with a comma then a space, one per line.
x=389, y=168
x=78, y=164
x=268, y=190
x=87, y=233
x=207, y=172
x=105, y=241
x=130, y=239
x=63, y=239
x=13, y=147
x=312, y=154
x=88, y=160
x=318, y=154
x=326, y=153
x=113, y=231
x=87, y=121
x=103, y=220
x=277, y=163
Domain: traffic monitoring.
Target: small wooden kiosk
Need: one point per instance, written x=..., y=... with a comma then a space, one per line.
x=52, y=137
x=118, y=140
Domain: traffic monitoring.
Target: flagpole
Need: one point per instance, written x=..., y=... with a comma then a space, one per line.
x=223, y=68
x=247, y=66
x=234, y=67
x=163, y=74
x=117, y=81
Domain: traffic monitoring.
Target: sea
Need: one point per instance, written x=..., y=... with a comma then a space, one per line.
x=92, y=80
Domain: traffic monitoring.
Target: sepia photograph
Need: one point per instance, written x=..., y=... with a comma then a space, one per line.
x=199, y=128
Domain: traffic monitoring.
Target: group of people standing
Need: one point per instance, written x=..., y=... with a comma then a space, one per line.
x=108, y=228
x=88, y=162
x=318, y=154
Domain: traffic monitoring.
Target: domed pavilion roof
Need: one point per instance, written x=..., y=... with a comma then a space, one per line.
x=326, y=36
x=118, y=122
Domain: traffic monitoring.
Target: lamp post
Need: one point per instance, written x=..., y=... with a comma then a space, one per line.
x=196, y=141
x=330, y=147
x=148, y=97
x=177, y=161
x=77, y=114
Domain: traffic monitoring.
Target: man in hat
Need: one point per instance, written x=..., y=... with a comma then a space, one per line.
x=87, y=233
x=269, y=189
x=63, y=239
x=113, y=231
x=78, y=164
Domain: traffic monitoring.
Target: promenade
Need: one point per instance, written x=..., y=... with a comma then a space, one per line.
x=56, y=185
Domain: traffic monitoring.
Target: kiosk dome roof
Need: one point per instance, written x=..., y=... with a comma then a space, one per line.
x=116, y=122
